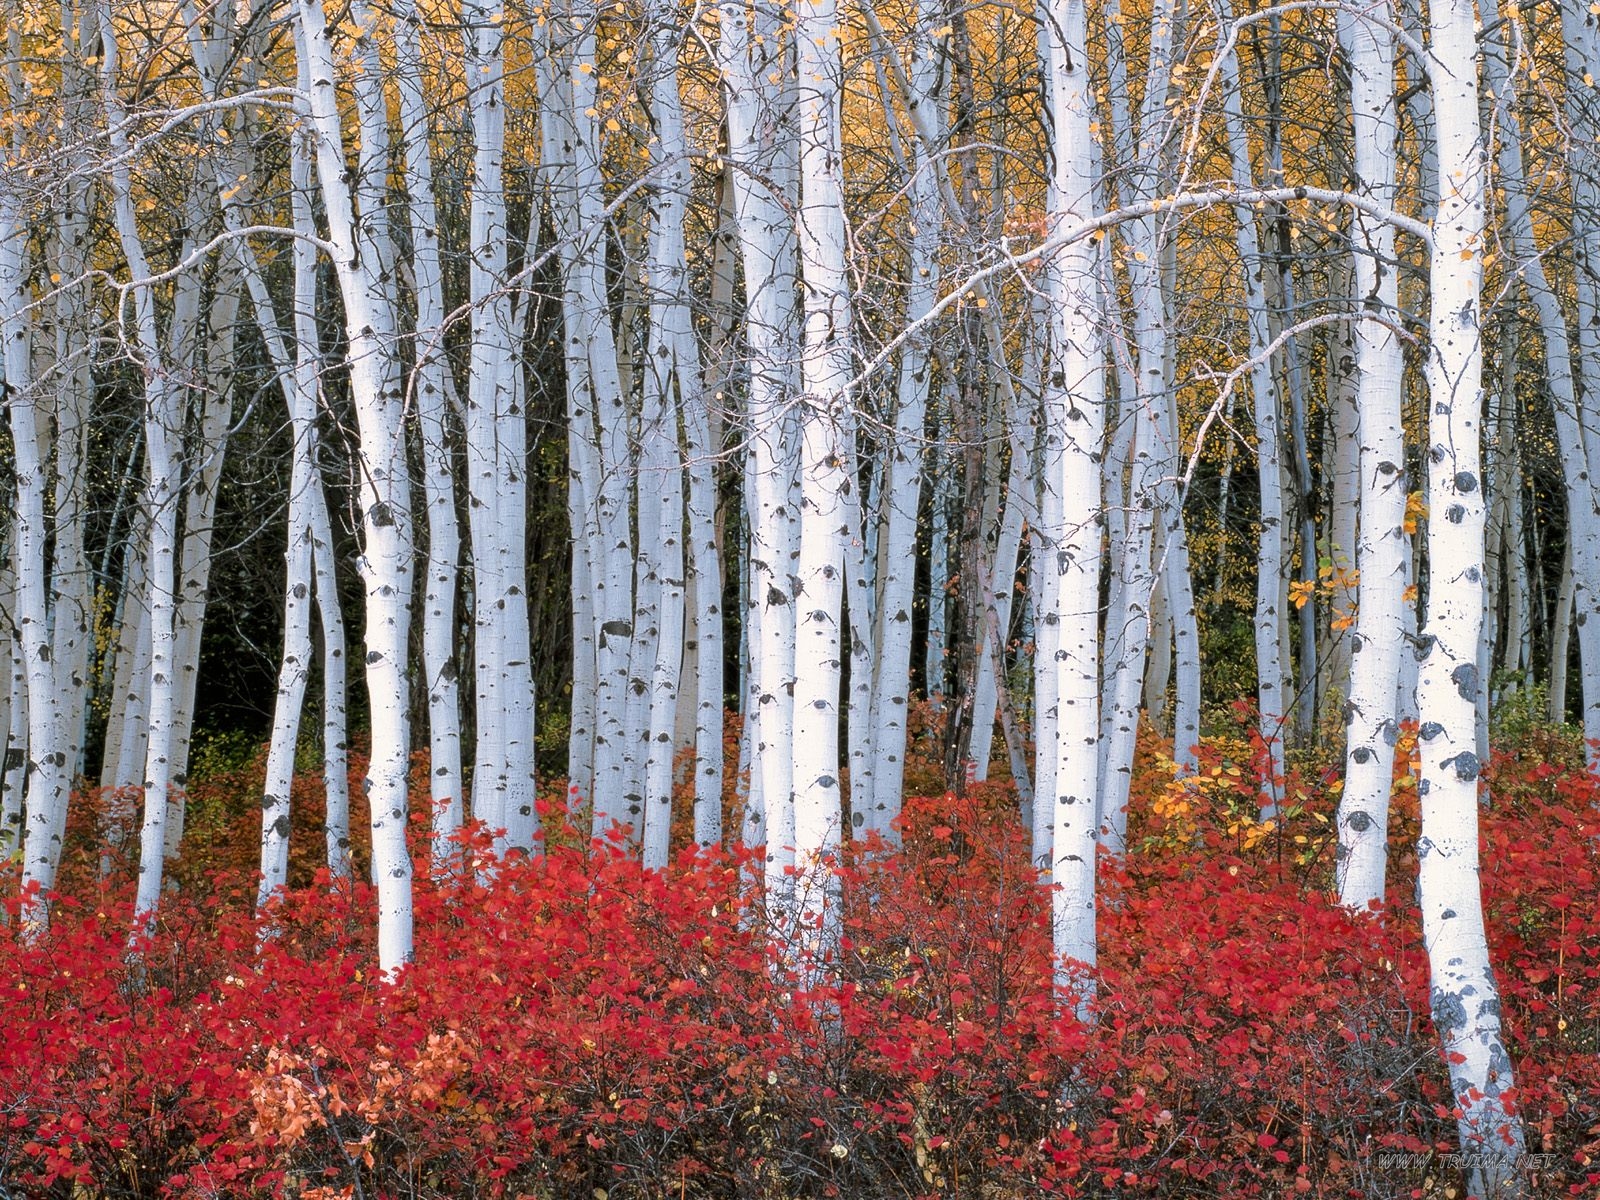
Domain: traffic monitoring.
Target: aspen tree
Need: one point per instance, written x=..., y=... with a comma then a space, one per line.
x=1270, y=684
x=602, y=463
x=827, y=472
x=1074, y=398
x=1465, y=1000
x=503, y=783
x=45, y=812
x=385, y=499
x=1371, y=723
x=902, y=488
x=430, y=384
x=163, y=419
x=672, y=370
x=753, y=54
x=1581, y=45
x=1145, y=406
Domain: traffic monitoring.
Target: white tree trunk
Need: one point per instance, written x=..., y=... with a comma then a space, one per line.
x=430, y=385
x=1074, y=410
x=497, y=440
x=1186, y=646
x=1146, y=405
x=1466, y=1008
x=47, y=783
x=13, y=768
x=1342, y=461
x=335, y=743
x=163, y=429
x=827, y=474
x=938, y=577
x=702, y=440
x=1370, y=719
x=71, y=613
x=672, y=370
x=298, y=377
x=752, y=62
x=986, y=693
x=1270, y=568
x=902, y=488
x=297, y=600
x=385, y=500
x=598, y=424
x=1581, y=43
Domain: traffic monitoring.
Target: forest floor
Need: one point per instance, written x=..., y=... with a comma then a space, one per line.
x=576, y=1027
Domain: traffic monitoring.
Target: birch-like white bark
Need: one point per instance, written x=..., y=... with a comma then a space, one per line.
x=298, y=376
x=385, y=497
x=986, y=693
x=71, y=582
x=902, y=493
x=1581, y=45
x=827, y=474
x=1179, y=582
x=335, y=736
x=1465, y=1001
x=752, y=51
x=1561, y=638
x=1145, y=405
x=701, y=440
x=13, y=768
x=602, y=465
x=1371, y=728
x=430, y=385
x=1074, y=403
x=1264, y=393
x=163, y=429
x=1571, y=410
x=46, y=780
x=497, y=440
x=672, y=371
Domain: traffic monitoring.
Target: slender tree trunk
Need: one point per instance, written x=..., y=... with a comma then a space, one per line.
x=827, y=473
x=1154, y=463
x=1074, y=405
x=672, y=373
x=47, y=782
x=1561, y=637
x=752, y=61
x=1370, y=718
x=71, y=583
x=602, y=466
x=163, y=427
x=1270, y=684
x=1465, y=1000
x=1581, y=43
x=1344, y=458
x=1570, y=412
x=14, y=767
x=991, y=667
x=384, y=499
x=497, y=439
x=335, y=738
x=1186, y=642
x=430, y=385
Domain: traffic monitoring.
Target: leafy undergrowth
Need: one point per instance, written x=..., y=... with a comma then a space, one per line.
x=584, y=1028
